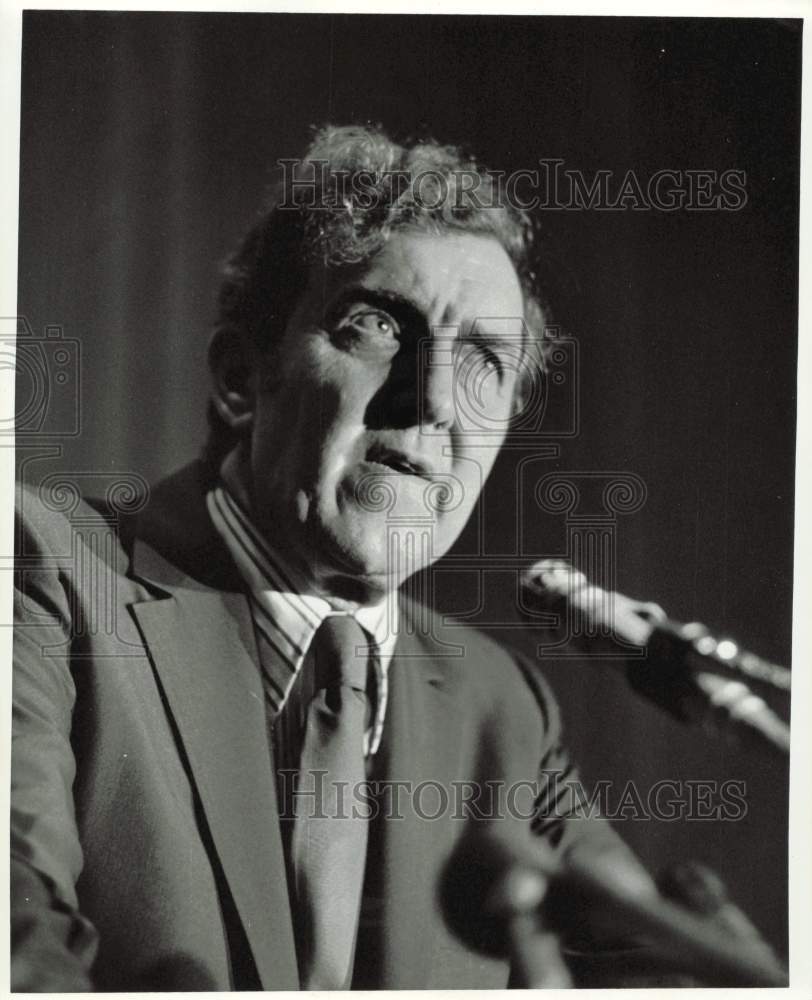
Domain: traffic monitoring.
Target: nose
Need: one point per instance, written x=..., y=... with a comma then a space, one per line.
x=419, y=390
x=436, y=389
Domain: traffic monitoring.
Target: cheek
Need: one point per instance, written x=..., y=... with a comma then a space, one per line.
x=483, y=413
x=475, y=456
x=468, y=474
x=309, y=418
x=333, y=384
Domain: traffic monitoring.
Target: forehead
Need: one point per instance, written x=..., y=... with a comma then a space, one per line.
x=450, y=277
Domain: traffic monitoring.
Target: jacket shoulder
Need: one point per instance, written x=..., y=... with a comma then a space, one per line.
x=499, y=674
x=50, y=522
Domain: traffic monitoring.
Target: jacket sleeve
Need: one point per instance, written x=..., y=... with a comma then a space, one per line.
x=53, y=945
x=567, y=818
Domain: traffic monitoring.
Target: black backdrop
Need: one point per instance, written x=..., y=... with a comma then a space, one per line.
x=147, y=143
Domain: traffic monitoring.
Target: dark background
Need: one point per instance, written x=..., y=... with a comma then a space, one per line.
x=148, y=142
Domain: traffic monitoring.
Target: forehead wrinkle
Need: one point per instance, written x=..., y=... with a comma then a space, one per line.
x=442, y=286
x=446, y=292
x=408, y=280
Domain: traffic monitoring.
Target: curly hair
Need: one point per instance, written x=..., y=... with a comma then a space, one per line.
x=339, y=205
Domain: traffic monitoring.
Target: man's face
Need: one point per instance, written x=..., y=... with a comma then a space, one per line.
x=379, y=417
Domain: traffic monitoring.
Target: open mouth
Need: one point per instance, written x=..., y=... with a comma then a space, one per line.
x=397, y=461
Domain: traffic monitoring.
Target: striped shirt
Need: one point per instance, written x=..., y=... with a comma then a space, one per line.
x=286, y=617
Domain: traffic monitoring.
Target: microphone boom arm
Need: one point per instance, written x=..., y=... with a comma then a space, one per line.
x=686, y=670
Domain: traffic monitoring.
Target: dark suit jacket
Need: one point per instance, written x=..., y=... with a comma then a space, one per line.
x=146, y=850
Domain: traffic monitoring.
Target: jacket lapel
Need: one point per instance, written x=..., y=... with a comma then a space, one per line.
x=202, y=645
x=200, y=637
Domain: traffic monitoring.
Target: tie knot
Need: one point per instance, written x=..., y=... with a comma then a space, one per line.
x=340, y=653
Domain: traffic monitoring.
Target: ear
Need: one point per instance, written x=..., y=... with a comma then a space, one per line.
x=235, y=377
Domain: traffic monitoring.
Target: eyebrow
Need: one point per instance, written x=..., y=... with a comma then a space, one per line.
x=506, y=347
x=408, y=313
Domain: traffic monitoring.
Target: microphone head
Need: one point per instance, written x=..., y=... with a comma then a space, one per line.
x=552, y=578
x=489, y=878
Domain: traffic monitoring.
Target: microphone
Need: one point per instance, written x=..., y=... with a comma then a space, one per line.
x=685, y=670
x=491, y=893
x=504, y=895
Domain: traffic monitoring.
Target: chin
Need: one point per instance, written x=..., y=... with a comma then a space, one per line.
x=365, y=548
x=359, y=548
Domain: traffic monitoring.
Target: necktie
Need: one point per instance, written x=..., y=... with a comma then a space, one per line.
x=328, y=848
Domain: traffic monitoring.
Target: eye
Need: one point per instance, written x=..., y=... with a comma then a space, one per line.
x=492, y=360
x=479, y=357
x=373, y=323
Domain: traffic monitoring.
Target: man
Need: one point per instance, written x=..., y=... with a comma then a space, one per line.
x=159, y=840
